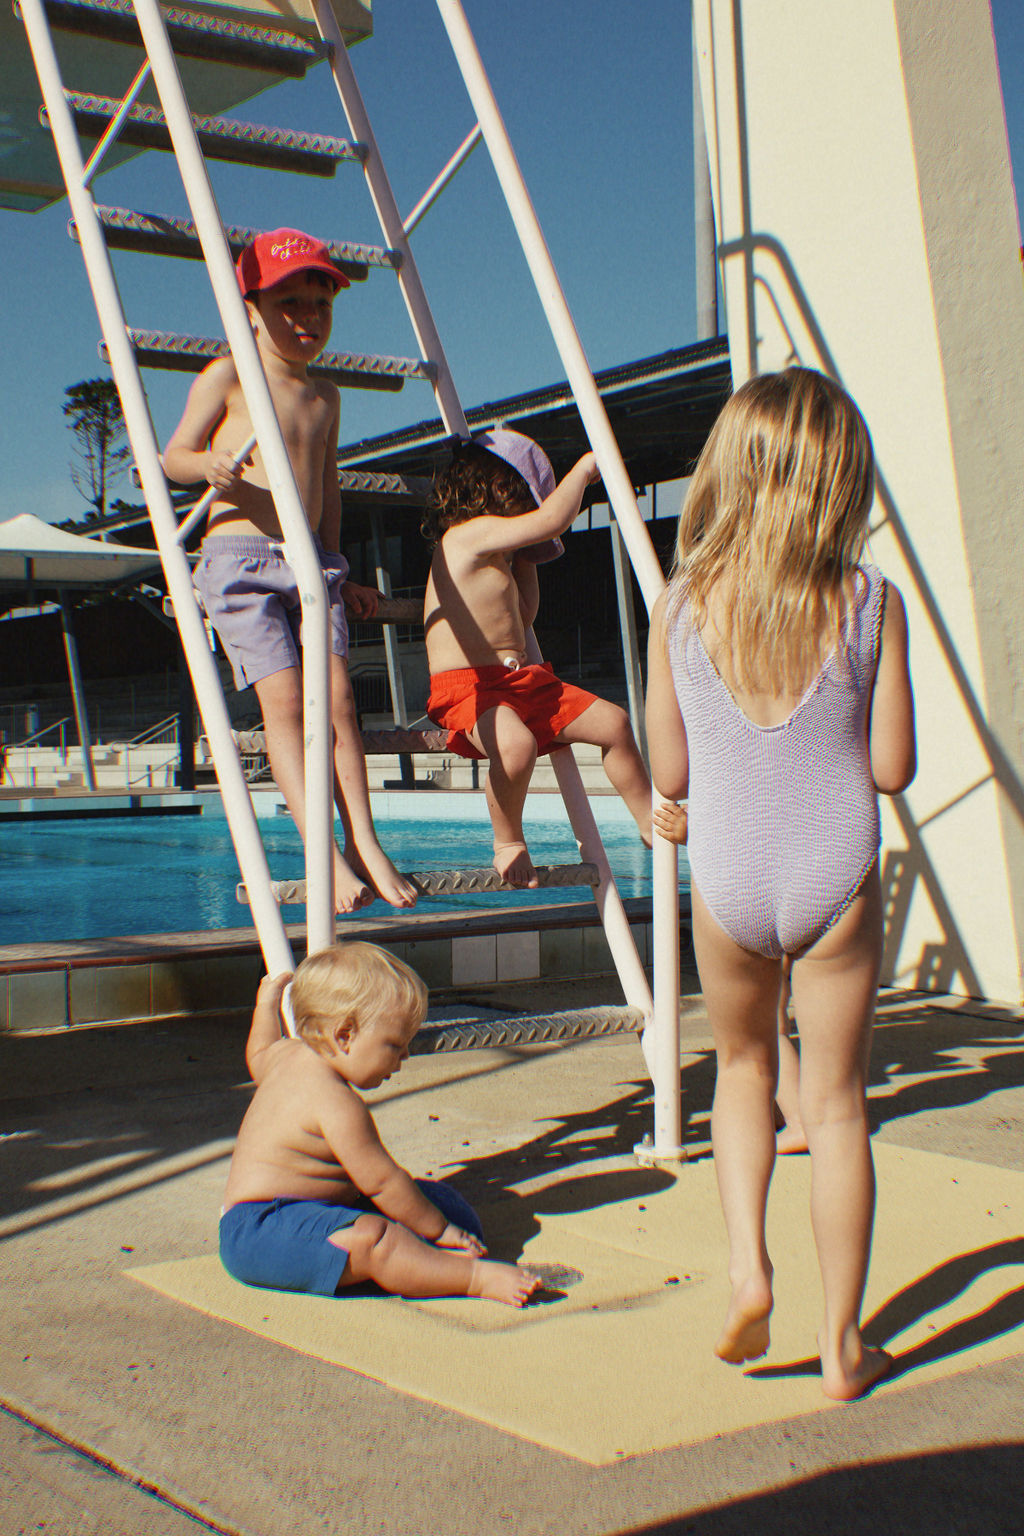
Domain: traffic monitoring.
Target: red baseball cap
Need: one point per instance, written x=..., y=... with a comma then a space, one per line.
x=281, y=253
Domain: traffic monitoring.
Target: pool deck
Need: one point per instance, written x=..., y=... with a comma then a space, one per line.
x=167, y=975
x=138, y=1398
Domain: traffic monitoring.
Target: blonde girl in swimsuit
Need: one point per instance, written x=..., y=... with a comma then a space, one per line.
x=779, y=701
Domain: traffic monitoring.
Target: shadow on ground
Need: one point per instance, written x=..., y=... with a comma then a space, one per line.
x=82, y=1105
x=966, y=1492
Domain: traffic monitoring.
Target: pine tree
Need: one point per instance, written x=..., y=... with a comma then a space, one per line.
x=93, y=411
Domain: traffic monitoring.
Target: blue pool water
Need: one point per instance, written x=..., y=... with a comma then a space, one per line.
x=101, y=877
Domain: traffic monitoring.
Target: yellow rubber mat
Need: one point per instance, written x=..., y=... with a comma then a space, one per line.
x=619, y=1361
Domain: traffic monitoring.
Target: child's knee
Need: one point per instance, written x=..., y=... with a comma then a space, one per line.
x=363, y=1239
x=622, y=728
x=609, y=726
x=518, y=756
x=514, y=747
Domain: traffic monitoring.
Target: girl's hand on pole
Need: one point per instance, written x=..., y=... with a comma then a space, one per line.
x=671, y=822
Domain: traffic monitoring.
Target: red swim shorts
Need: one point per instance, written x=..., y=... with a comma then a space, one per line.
x=540, y=699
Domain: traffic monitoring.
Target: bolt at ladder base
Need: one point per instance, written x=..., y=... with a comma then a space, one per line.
x=649, y=1153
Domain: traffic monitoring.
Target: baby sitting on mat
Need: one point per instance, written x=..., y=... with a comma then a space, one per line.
x=314, y=1201
x=496, y=512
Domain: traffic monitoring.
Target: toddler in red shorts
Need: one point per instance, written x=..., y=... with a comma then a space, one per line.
x=496, y=514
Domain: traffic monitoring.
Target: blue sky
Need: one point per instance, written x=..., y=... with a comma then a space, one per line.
x=600, y=115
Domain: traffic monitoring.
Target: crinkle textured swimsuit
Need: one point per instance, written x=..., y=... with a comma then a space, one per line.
x=783, y=819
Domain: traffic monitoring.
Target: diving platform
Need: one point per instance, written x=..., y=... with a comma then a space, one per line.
x=229, y=53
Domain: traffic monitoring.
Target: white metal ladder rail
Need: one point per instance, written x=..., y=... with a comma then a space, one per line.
x=191, y=164
x=206, y=681
x=661, y=1038
x=616, y=926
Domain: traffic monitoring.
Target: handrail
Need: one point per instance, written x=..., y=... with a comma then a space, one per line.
x=152, y=732
x=37, y=736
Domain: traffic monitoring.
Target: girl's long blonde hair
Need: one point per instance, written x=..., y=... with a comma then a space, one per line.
x=774, y=522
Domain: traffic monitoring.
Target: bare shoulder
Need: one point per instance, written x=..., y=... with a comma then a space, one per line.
x=895, y=617
x=658, y=611
x=329, y=393
x=472, y=540
x=220, y=375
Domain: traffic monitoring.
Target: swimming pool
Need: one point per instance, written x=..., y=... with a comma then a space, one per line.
x=101, y=877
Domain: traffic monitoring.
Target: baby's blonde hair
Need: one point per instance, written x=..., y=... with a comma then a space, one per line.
x=356, y=985
x=775, y=518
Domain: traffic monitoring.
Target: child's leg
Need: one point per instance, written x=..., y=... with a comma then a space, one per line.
x=791, y=1137
x=404, y=1265
x=607, y=726
x=280, y=697
x=835, y=985
x=741, y=992
x=511, y=749
x=362, y=850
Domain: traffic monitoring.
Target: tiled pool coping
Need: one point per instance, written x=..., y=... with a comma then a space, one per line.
x=145, y=976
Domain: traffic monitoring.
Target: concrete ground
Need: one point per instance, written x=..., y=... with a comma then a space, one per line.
x=126, y=1411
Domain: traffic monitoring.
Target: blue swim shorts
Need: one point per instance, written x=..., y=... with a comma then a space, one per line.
x=252, y=599
x=284, y=1244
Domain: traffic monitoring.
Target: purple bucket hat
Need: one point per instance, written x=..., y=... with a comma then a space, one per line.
x=524, y=455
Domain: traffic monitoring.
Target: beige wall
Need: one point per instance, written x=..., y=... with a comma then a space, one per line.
x=867, y=226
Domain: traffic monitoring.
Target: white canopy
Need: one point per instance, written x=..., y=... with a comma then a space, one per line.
x=34, y=553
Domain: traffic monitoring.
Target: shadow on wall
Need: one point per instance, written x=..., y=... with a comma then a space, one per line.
x=939, y=964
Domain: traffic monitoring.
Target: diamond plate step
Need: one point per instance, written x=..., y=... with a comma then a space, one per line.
x=194, y=36
x=221, y=138
x=446, y=882
x=128, y=229
x=369, y=486
x=350, y=370
x=396, y=740
x=542, y=1029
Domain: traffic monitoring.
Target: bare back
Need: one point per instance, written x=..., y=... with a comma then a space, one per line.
x=282, y=1151
x=472, y=613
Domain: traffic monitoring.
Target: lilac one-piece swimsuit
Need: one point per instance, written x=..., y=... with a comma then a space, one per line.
x=783, y=819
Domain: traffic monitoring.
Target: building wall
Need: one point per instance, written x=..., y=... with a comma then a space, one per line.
x=867, y=226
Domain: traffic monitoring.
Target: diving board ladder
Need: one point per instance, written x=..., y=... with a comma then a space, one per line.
x=193, y=139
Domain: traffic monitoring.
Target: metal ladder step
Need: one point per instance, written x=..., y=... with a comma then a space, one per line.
x=128, y=229
x=350, y=370
x=193, y=35
x=220, y=138
x=395, y=739
x=447, y=882
x=541, y=1029
x=388, y=489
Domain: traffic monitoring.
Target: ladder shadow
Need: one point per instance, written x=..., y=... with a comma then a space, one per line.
x=931, y=1292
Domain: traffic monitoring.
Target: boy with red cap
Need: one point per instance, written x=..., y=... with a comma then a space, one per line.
x=289, y=282
x=496, y=514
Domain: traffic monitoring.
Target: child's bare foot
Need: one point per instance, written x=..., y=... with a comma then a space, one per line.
x=746, y=1334
x=514, y=865
x=510, y=1283
x=847, y=1380
x=386, y=880
x=791, y=1138
x=350, y=891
